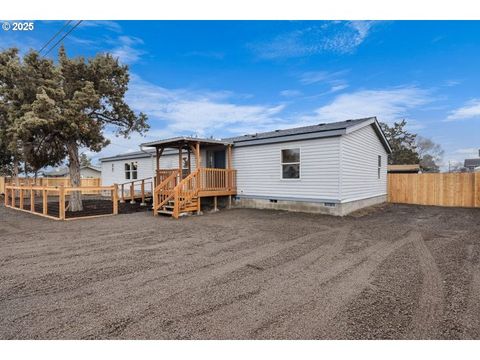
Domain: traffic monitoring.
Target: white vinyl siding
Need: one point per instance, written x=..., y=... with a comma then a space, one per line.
x=259, y=170
x=145, y=167
x=360, y=152
x=89, y=173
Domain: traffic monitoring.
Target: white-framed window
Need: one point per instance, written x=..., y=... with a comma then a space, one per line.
x=290, y=163
x=379, y=170
x=131, y=170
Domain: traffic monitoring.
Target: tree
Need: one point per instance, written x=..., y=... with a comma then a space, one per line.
x=402, y=143
x=89, y=98
x=430, y=154
x=20, y=82
x=85, y=160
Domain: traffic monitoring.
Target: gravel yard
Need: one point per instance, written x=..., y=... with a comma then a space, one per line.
x=390, y=272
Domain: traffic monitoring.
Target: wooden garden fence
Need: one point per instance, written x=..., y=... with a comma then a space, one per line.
x=47, y=181
x=52, y=201
x=450, y=189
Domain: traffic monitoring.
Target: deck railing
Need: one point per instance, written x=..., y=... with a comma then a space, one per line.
x=217, y=179
x=136, y=189
x=162, y=174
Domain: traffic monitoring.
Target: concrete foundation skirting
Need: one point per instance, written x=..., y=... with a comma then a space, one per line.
x=336, y=209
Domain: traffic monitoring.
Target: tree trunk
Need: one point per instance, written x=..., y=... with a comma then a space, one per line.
x=75, y=203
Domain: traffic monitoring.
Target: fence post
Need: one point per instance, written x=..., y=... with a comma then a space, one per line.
x=61, y=207
x=115, y=199
x=122, y=199
x=132, y=193
x=6, y=197
x=176, y=205
x=21, y=199
x=143, y=203
x=32, y=200
x=44, y=201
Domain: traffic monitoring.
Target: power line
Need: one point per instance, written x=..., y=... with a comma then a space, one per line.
x=64, y=36
x=54, y=36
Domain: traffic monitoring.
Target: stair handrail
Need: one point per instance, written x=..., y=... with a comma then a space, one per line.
x=162, y=186
x=182, y=195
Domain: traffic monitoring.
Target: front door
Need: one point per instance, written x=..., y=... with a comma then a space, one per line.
x=216, y=159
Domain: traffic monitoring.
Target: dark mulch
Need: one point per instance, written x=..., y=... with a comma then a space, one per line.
x=91, y=207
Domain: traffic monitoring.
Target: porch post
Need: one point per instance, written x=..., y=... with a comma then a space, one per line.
x=159, y=152
x=197, y=155
x=229, y=167
x=180, y=165
x=229, y=157
x=189, y=160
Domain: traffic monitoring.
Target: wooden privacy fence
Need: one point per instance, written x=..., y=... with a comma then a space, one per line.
x=52, y=202
x=451, y=189
x=47, y=181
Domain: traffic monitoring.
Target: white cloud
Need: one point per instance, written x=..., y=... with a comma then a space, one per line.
x=470, y=110
x=388, y=105
x=203, y=113
x=312, y=77
x=106, y=24
x=126, y=49
x=450, y=83
x=290, y=93
x=338, y=37
x=338, y=87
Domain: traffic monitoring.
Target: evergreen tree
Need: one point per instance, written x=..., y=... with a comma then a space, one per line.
x=88, y=97
x=85, y=160
x=20, y=82
x=402, y=143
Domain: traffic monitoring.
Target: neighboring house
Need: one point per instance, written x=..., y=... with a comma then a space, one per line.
x=86, y=172
x=471, y=164
x=330, y=168
x=403, y=169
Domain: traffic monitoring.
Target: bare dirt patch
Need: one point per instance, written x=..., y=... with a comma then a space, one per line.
x=391, y=272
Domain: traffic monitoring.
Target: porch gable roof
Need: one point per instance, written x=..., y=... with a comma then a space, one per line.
x=182, y=140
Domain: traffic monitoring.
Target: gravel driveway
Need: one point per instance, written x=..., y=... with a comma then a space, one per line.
x=392, y=272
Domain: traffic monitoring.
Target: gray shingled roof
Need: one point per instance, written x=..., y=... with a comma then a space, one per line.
x=64, y=170
x=180, y=139
x=299, y=130
x=325, y=129
x=472, y=162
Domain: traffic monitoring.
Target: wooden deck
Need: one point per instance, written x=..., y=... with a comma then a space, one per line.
x=174, y=196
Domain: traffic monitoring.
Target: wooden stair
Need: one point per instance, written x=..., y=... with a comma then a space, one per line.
x=169, y=208
x=175, y=197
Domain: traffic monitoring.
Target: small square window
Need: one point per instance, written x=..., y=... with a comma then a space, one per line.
x=131, y=171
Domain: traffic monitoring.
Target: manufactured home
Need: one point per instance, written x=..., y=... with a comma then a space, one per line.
x=332, y=168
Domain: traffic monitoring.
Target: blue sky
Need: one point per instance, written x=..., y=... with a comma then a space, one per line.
x=221, y=78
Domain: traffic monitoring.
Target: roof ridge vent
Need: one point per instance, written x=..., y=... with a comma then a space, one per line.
x=348, y=120
x=321, y=124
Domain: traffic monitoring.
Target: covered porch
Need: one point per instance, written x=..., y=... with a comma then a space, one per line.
x=204, y=170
